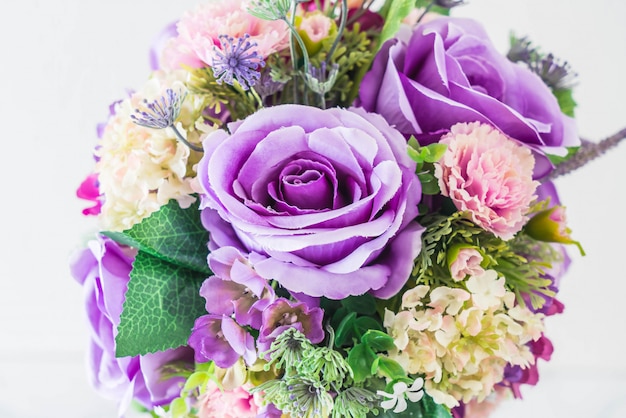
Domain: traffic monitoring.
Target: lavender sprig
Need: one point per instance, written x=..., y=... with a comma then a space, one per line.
x=587, y=152
x=162, y=113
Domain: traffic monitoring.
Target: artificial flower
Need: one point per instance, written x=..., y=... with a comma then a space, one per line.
x=449, y=71
x=319, y=197
x=199, y=32
x=103, y=269
x=488, y=176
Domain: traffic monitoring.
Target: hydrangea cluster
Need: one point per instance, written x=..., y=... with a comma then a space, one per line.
x=139, y=169
x=462, y=339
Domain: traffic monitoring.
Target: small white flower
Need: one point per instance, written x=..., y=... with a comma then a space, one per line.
x=400, y=390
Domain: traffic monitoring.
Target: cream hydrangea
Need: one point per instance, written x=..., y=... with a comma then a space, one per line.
x=140, y=169
x=462, y=339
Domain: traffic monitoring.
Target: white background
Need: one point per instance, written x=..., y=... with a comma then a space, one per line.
x=64, y=61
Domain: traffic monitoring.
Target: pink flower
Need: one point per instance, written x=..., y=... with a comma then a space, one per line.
x=198, y=33
x=488, y=176
x=465, y=261
x=218, y=403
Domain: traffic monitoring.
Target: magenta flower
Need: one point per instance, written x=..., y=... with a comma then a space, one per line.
x=220, y=339
x=283, y=314
x=90, y=191
x=449, y=72
x=488, y=176
x=327, y=201
x=103, y=269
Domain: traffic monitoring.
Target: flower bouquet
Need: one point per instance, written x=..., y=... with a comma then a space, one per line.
x=329, y=209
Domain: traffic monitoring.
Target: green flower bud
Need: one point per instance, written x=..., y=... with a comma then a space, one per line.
x=550, y=226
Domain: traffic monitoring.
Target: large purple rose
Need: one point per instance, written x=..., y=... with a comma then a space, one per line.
x=324, y=200
x=103, y=269
x=447, y=72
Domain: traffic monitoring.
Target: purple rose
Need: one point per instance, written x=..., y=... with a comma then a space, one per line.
x=325, y=199
x=449, y=72
x=103, y=269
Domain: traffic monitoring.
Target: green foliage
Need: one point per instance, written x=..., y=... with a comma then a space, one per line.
x=425, y=157
x=522, y=261
x=365, y=362
x=162, y=301
x=353, y=56
x=556, y=160
x=308, y=380
x=171, y=234
x=425, y=408
x=240, y=103
x=566, y=100
x=394, y=12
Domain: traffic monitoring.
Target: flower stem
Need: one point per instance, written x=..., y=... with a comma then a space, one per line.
x=184, y=141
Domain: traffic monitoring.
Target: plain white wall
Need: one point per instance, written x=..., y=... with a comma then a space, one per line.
x=64, y=61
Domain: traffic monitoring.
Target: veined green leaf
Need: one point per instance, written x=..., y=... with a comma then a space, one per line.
x=162, y=303
x=172, y=234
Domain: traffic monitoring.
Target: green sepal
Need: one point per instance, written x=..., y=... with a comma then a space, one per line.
x=172, y=234
x=162, y=303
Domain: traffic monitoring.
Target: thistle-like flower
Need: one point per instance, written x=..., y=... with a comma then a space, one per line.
x=162, y=113
x=287, y=350
x=327, y=363
x=307, y=398
x=556, y=74
x=354, y=402
x=237, y=60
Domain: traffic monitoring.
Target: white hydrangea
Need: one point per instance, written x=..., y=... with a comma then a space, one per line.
x=140, y=169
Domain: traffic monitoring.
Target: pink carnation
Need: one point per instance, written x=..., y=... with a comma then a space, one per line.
x=198, y=33
x=219, y=403
x=488, y=176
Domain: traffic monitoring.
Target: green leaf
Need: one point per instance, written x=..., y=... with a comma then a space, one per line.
x=196, y=380
x=360, y=359
x=556, y=160
x=172, y=234
x=345, y=330
x=566, y=101
x=365, y=323
x=433, y=152
x=430, y=184
x=378, y=340
x=389, y=368
x=426, y=408
x=178, y=408
x=162, y=303
x=398, y=10
x=364, y=304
